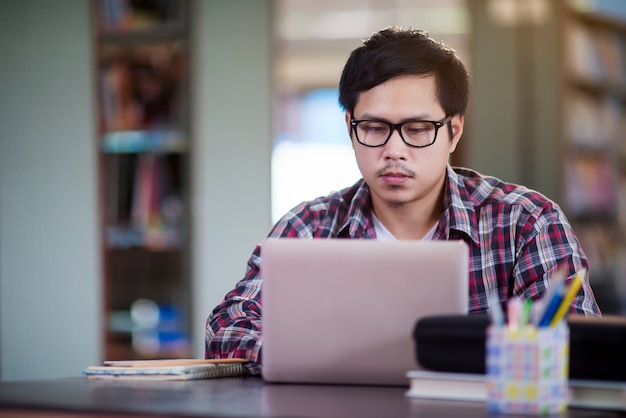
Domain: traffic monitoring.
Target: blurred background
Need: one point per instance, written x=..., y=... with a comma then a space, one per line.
x=146, y=147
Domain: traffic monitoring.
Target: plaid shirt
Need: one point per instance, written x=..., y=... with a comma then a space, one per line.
x=517, y=238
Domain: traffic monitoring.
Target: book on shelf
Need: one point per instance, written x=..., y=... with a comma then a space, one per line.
x=593, y=122
x=140, y=87
x=595, y=54
x=590, y=187
x=473, y=387
x=129, y=15
x=175, y=369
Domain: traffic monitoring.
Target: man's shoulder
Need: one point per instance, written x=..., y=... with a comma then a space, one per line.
x=326, y=215
x=483, y=190
x=336, y=200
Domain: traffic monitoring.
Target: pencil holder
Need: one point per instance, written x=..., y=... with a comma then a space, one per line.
x=527, y=369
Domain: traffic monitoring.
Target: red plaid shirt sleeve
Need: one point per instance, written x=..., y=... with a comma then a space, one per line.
x=233, y=330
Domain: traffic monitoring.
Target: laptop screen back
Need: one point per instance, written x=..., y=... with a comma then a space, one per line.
x=343, y=311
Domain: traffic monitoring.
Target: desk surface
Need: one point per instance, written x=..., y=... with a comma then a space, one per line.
x=227, y=397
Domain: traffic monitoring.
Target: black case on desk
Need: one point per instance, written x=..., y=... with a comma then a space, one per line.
x=456, y=343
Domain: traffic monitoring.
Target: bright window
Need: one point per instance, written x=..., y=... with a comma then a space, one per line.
x=315, y=157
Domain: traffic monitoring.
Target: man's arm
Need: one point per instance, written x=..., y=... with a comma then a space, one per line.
x=554, y=246
x=234, y=327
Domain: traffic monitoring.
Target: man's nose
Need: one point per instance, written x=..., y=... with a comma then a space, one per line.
x=395, y=148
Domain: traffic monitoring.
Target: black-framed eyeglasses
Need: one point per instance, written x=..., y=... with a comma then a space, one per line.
x=414, y=133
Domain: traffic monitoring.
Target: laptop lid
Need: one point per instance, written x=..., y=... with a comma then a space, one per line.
x=343, y=310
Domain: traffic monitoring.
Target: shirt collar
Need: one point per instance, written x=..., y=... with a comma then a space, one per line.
x=358, y=223
x=459, y=214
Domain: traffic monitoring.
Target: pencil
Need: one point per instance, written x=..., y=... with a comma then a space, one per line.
x=495, y=309
x=525, y=315
x=514, y=306
x=567, y=299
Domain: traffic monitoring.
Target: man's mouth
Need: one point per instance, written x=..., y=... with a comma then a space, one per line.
x=394, y=177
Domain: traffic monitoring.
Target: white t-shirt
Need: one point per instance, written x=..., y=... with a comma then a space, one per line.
x=383, y=233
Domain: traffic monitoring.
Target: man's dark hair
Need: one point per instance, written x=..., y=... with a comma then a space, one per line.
x=394, y=52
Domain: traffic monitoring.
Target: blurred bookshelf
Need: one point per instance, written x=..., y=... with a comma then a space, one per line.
x=143, y=139
x=594, y=141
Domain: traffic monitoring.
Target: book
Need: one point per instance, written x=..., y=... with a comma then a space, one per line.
x=447, y=386
x=175, y=369
x=594, y=394
x=597, y=394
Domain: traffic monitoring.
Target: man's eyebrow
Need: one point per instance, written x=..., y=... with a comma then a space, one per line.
x=421, y=116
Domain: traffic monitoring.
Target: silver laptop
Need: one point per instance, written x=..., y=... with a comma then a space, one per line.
x=343, y=311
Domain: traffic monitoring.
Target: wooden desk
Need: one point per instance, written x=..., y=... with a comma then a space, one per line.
x=229, y=397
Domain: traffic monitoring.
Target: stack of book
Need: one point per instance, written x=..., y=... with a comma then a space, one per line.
x=473, y=387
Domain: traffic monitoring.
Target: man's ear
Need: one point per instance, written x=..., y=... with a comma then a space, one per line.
x=456, y=124
x=348, y=117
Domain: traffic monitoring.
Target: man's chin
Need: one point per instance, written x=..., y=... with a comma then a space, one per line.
x=395, y=198
x=395, y=203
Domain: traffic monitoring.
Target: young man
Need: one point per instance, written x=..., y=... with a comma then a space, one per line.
x=405, y=97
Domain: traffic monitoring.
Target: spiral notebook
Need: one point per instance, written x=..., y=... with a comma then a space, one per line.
x=167, y=369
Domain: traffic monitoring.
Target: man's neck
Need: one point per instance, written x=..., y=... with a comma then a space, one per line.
x=408, y=221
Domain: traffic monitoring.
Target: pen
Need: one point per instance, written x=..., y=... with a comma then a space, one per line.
x=513, y=307
x=525, y=315
x=495, y=310
x=552, y=306
x=555, y=285
x=567, y=299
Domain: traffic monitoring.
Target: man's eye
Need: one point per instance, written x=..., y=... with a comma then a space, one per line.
x=418, y=128
x=375, y=127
